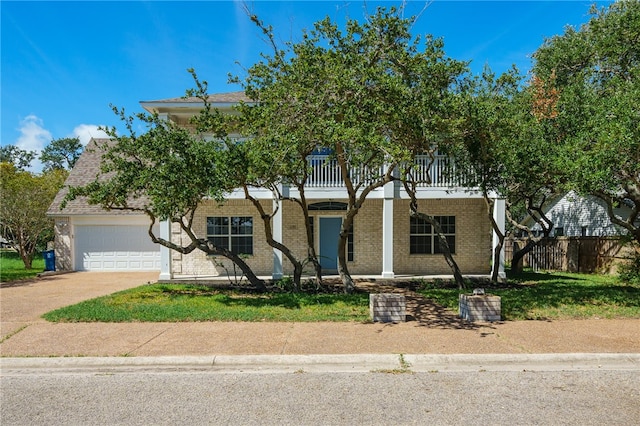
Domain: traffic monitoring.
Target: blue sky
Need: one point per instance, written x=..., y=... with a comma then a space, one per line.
x=63, y=63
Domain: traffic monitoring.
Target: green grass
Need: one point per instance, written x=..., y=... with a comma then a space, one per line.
x=173, y=302
x=554, y=296
x=12, y=268
x=527, y=296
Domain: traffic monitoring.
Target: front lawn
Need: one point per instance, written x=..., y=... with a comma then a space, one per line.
x=12, y=268
x=174, y=302
x=528, y=296
x=556, y=295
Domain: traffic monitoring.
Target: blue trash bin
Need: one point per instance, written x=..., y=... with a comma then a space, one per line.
x=49, y=260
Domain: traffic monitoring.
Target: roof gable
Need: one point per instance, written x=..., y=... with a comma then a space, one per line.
x=85, y=171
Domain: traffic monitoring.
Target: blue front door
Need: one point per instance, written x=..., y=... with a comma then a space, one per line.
x=329, y=235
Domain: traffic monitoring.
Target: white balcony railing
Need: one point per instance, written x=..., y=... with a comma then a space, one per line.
x=436, y=172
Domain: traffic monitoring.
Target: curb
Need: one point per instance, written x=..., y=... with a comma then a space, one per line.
x=390, y=363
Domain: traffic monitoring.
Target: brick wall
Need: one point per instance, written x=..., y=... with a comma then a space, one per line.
x=473, y=238
x=62, y=229
x=367, y=235
x=198, y=263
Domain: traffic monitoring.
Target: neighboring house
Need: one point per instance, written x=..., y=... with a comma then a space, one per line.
x=4, y=243
x=385, y=242
x=573, y=215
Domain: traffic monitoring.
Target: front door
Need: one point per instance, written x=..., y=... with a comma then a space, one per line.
x=329, y=235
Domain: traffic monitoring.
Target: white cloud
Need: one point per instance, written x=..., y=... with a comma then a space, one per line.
x=33, y=135
x=87, y=131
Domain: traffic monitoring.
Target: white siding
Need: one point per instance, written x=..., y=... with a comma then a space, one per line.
x=572, y=213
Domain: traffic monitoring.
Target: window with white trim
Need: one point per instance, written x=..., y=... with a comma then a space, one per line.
x=424, y=240
x=235, y=233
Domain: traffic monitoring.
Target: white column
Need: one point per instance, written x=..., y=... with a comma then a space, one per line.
x=277, y=233
x=499, y=207
x=165, y=234
x=165, y=253
x=387, y=231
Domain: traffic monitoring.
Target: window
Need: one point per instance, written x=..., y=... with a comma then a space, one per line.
x=350, y=250
x=424, y=240
x=234, y=233
x=560, y=231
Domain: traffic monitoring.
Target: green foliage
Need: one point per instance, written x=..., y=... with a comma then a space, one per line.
x=595, y=74
x=173, y=302
x=165, y=171
x=61, y=153
x=20, y=158
x=370, y=92
x=25, y=200
x=556, y=296
x=629, y=271
x=12, y=268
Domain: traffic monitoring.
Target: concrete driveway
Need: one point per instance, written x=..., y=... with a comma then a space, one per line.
x=23, y=302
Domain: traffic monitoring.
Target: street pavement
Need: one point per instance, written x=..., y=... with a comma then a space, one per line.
x=179, y=397
x=433, y=369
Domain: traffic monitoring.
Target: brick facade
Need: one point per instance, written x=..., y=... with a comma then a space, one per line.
x=473, y=238
x=62, y=229
x=197, y=263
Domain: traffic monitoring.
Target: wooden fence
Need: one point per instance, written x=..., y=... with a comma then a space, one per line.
x=571, y=254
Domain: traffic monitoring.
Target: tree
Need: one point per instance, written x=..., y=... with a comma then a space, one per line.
x=346, y=91
x=20, y=158
x=23, y=206
x=595, y=72
x=267, y=161
x=61, y=153
x=165, y=173
x=511, y=142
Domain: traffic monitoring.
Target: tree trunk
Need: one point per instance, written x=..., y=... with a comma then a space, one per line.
x=312, y=256
x=266, y=219
x=251, y=277
x=26, y=260
x=518, y=256
x=497, y=251
x=26, y=250
x=444, y=245
x=343, y=270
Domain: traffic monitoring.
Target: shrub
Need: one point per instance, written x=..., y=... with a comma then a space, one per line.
x=630, y=271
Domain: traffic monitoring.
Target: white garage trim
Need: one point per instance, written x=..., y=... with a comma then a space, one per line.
x=114, y=247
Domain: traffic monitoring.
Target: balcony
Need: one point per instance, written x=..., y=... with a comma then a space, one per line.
x=438, y=172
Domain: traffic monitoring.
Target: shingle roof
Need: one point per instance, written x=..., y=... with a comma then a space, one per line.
x=86, y=169
x=230, y=97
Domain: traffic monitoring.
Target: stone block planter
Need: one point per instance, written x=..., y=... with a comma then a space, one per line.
x=388, y=307
x=480, y=307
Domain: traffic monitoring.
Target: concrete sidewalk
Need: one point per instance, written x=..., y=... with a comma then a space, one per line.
x=25, y=334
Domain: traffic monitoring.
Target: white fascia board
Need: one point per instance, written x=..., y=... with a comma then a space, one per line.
x=181, y=107
x=432, y=193
x=110, y=220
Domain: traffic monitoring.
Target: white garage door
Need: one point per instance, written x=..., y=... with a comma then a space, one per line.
x=115, y=248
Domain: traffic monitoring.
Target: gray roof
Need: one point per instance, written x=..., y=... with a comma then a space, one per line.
x=225, y=98
x=85, y=171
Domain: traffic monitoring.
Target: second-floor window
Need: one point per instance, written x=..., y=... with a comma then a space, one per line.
x=424, y=240
x=235, y=233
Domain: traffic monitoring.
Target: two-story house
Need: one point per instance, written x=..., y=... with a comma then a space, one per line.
x=384, y=242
